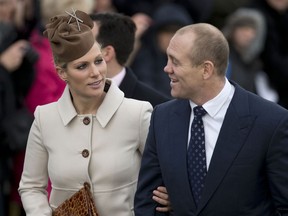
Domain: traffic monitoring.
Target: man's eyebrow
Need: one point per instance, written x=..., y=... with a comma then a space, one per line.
x=173, y=58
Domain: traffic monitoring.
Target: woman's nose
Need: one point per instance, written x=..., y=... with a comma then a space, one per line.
x=95, y=70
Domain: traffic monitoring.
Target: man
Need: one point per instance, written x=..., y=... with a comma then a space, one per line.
x=116, y=34
x=243, y=140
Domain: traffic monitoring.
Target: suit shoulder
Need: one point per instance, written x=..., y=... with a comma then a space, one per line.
x=257, y=105
x=151, y=90
x=173, y=105
x=134, y=88
x=148, y=93
x=131, y=103
x=262, y=103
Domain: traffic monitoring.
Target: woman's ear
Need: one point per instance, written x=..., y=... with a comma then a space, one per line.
x=61, y=73
x=208, y=68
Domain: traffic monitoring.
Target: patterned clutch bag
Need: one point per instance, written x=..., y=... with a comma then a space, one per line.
x=80, y=204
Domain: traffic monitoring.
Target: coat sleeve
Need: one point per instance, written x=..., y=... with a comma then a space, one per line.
x=149, y=177
x=32, y=188
x=277, y=164
x=145, y=116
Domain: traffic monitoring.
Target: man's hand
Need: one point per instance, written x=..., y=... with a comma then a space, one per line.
x=160, y=195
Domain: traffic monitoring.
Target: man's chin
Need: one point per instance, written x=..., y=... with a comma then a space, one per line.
x=174, y=94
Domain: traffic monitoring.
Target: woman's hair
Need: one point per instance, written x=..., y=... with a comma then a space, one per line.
x=58, y=62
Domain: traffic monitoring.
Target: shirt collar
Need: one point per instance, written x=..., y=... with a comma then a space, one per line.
x=214, y=105
x=119, y=77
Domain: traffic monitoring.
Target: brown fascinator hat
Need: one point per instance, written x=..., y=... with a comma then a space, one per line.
x=70, y=35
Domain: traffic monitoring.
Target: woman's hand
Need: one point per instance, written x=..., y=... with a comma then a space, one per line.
x=161, y=196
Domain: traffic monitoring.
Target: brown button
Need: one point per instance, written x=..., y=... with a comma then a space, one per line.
x=85, y=153
x=86, y=120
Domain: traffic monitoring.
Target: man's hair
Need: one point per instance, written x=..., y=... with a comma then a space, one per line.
x=116, y=30
x=209, y=44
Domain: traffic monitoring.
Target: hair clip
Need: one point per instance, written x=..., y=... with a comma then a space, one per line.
x=73, y=15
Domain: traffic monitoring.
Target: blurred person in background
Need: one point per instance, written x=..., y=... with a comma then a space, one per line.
x=141, y=19
x=149, y=61
x=50, y=8
x=103, y=6
x=221, y=9
x=245, y=31
x=17, y=60
x=116, y=34
x=148, y=7
x=275, y=53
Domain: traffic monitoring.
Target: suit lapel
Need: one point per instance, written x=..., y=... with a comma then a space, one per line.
x=178, y=138
x=236, y=126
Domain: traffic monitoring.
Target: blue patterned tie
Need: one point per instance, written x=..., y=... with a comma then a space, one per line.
x=196, y=156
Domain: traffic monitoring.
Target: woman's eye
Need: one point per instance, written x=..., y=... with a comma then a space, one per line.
x=82, y=66
x=98, y=61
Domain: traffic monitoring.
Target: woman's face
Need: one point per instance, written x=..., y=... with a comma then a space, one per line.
x=279, y=5
x=7, y=10
x=86, y=75
x=244, y=36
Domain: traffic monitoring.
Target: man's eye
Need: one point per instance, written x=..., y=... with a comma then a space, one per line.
x=174, y=62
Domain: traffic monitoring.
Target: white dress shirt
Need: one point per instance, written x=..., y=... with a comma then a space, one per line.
x=119, y=77
x=216, y=109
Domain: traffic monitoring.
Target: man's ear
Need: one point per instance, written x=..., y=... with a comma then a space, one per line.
x=108, y=53
x=61, y=73
x=208, y=69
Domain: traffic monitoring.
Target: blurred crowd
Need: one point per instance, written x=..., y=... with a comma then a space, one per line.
x=257, y=32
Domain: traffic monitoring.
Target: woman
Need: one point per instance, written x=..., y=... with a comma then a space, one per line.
x=91, y=134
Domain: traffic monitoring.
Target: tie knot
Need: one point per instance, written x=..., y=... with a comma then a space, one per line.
x=199, y=111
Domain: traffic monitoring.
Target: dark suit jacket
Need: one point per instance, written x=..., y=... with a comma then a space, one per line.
x=134, y=88
x=248, y=173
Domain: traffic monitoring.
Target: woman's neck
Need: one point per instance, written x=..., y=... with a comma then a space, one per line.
x=88, y=106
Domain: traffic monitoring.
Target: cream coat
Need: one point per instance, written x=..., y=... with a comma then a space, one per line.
x=114, y=138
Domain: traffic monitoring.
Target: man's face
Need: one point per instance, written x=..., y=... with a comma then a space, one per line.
x=244, y=36
x=186, y=78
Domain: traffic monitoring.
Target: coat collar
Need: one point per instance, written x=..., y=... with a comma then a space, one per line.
x=107, y=109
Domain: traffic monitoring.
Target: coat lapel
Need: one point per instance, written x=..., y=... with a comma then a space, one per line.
x=178, y=147
x=235, y=128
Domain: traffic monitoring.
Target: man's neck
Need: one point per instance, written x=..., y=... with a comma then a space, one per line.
x=113, y=69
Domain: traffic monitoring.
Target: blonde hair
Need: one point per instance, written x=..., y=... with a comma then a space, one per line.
x=50, y=8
